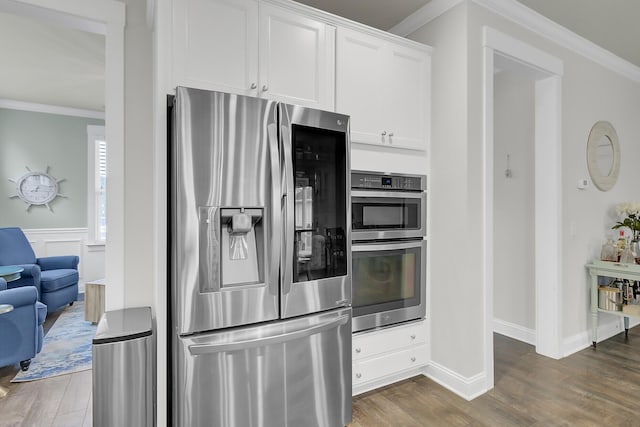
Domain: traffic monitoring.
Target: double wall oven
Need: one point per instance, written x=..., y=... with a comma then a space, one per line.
x=389, y=268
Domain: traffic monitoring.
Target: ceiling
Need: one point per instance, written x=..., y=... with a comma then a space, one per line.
x=47, y=64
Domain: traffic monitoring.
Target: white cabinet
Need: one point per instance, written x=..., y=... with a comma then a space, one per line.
x=388, y=355
x=254, y=48
x=384, y=86
x=297, y=58
x=216, y=45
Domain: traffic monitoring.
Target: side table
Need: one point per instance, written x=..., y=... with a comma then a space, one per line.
x=614, y=270
x=94, y=300
x=10, y=272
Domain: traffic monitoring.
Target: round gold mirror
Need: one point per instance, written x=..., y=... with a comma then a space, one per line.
x=603, y=155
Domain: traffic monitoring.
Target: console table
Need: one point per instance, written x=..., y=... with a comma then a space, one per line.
x=615, y=270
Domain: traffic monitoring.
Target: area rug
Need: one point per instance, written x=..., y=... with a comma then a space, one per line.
x=66, y=348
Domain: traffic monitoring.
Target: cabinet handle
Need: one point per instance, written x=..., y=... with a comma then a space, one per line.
x=358, y=375
x=384, y=132
x=265, y=88
x=358, y=350
x=413, y=336
x=253, y=85
x=413, y=359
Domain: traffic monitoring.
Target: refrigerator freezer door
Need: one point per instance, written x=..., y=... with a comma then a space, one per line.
x=292, y=373
x=316, y=248
x=225, y=211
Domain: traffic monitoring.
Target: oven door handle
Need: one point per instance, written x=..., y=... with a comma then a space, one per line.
x=388, y=194
x=368, y=247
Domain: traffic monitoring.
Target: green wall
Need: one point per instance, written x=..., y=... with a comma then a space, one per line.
x=38, y=140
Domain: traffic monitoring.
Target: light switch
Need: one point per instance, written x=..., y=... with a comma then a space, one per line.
x=583, y=183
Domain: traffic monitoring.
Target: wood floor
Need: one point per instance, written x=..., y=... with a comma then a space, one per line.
x=589, y=388
x=62, y=401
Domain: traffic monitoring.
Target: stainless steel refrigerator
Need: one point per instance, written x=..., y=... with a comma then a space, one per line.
x=260, y=263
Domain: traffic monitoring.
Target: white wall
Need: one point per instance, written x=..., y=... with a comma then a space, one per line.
x=514, y=119
x=139, y=182
x=456, y=314
x=590, y=93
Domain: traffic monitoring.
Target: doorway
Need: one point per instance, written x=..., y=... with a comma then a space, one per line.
x=543, y=72
x=105, y=17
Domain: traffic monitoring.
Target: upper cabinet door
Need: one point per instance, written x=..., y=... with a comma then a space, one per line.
x=216, y=45
x=358, y=84
x=296, y=58
x=384, y=87
x=406, y=86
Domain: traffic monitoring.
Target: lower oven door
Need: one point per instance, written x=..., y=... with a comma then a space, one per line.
x=389, y=283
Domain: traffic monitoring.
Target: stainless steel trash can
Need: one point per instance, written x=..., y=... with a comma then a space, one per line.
x=124, y=369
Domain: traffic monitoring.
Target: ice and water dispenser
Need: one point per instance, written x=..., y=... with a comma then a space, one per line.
x=232, y=247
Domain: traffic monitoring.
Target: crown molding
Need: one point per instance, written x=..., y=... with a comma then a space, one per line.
x=340, y=21
x=532, y=21
x=425, y=14
x=11, y=104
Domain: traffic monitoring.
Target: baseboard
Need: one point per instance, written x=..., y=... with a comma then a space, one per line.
x=582, y=340
x=514, y=331
x=386, y=380
x=467, y=388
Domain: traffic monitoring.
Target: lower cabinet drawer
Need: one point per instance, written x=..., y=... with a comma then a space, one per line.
x=369, y=344
x=376, y=367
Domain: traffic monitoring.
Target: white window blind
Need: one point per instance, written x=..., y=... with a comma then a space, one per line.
x=101, y=183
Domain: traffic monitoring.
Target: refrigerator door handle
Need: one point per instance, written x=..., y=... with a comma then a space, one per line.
x=199, y=349
x=276, y=221
x=288, y=239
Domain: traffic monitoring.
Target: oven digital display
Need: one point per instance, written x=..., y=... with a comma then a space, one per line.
x=386, y=181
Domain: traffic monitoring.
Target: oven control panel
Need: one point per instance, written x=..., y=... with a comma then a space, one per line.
x=394, y=182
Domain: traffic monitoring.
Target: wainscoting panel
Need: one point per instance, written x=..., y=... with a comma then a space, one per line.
x=69, y=241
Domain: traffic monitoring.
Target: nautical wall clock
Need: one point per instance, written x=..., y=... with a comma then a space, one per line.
x=37, y=188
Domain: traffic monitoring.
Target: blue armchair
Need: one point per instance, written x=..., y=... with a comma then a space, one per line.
x=55, y=278
x=21, y=331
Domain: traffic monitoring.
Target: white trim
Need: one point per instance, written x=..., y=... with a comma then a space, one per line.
x=527, y=54
x=548, y=215
x=11, y=104
x=514, y=331
x=162, y=72
x=583, y=340
x=54, y=230
x=531, y=20
x=422, y=16
x=487, y=208
x=466, y=387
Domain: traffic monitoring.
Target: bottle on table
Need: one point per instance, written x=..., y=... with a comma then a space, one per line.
x=622, y=244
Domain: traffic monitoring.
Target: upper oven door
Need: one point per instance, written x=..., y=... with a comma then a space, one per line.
x=388, y=214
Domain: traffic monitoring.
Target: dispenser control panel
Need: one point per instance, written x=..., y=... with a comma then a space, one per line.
x=387, y=181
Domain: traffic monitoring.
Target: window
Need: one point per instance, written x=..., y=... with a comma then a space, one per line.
x=96, y=184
